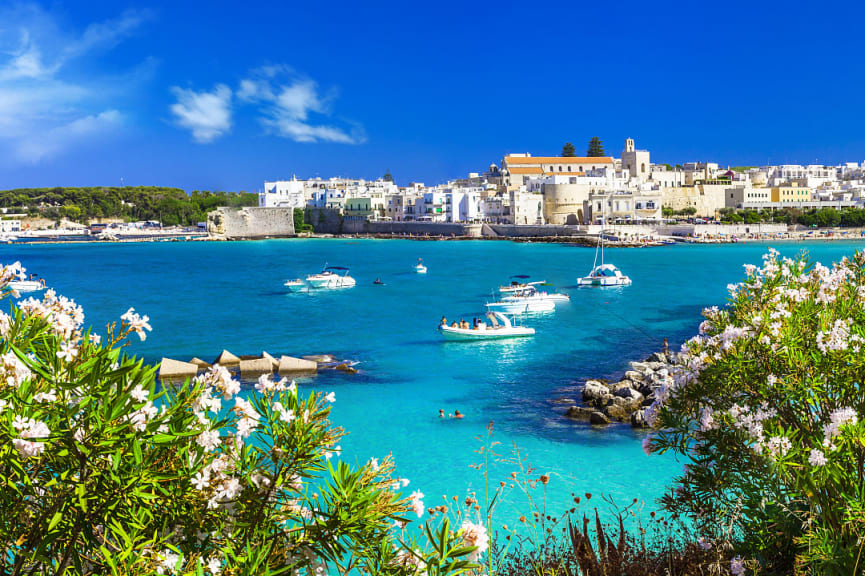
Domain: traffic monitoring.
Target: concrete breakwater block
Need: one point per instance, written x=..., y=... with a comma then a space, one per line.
x=287, y=364
x=255, y=367
x=227, y=359
x=202, y=365
x=273, y=361
x=175, y=369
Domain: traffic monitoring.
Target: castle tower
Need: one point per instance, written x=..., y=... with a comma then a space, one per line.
x=636, y=162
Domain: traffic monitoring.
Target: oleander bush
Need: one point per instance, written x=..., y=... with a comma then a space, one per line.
x=105, y=471
x=766, y=407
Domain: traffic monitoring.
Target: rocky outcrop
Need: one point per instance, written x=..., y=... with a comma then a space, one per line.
x=625, y=400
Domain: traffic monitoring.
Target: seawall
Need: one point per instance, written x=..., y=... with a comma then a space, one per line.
x=238, y=223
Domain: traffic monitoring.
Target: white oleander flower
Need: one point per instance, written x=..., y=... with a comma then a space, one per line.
x=474, y=535
x=816, y=458
x=68, y=351
x=138, y=324
x=209, y=440
x=416, y=503
x=139, y=393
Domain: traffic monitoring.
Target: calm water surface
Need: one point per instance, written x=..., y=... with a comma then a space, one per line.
x=203, y=297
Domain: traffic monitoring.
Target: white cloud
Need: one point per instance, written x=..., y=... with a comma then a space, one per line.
x=206, y=114
x=34, y=147
x=290, y=107
x=45, y=108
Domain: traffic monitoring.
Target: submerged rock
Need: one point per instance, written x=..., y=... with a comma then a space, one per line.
x=598, y=418
x=579, y=413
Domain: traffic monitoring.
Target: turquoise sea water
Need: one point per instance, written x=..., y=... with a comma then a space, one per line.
x=205, y=296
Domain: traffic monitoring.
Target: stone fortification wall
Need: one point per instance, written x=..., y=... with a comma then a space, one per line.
x=718, y=229
x=234, y=223
x=529, y=231
x=324, y=220
x=327, y=221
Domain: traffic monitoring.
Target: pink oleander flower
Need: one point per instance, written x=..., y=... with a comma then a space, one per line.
x=647, y=445
x=737, y=566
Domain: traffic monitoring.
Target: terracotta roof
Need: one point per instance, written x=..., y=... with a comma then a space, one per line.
x=526, y=170
x=514, y=160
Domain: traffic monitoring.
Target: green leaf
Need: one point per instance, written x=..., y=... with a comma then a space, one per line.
x=55, y=520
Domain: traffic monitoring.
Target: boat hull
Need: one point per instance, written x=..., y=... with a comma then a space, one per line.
x=522, y=307
x=295, y=286
x=420, y=269
x=489, y=334
x=604, y=281
x=337, y=282
x=26, y=286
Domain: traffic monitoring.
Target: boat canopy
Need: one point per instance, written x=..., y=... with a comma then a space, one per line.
x=606, y=270
x=520, y=276
x=336, y=268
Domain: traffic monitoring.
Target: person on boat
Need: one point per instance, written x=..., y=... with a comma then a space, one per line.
x=454, y=324
x=378, y=281
x=444, y=321
x=457, y=414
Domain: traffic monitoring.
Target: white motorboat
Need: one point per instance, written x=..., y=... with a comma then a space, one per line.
x=532, y=294
x=420, y=268
x=499, y=326
x=517, y=285
x=296, y=285
x=604, y=275
x=521, y=305
x=29, y=285
x=331, y=277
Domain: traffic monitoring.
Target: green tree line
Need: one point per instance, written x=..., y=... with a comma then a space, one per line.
x=812, y=217
x=171, y=206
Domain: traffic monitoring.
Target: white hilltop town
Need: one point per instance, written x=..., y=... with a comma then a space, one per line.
x=558, y=190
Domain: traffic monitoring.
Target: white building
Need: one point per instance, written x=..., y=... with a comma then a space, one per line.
x=282, y=194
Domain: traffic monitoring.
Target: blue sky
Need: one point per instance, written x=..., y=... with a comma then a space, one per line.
x=223, y=95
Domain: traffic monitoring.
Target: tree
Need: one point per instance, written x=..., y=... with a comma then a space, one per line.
x=568, y=150
x=765, y=407
x=387, y=176
x=596, y=148
x=107, y=471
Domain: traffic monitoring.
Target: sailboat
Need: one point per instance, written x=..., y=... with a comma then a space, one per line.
x=603, y=274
